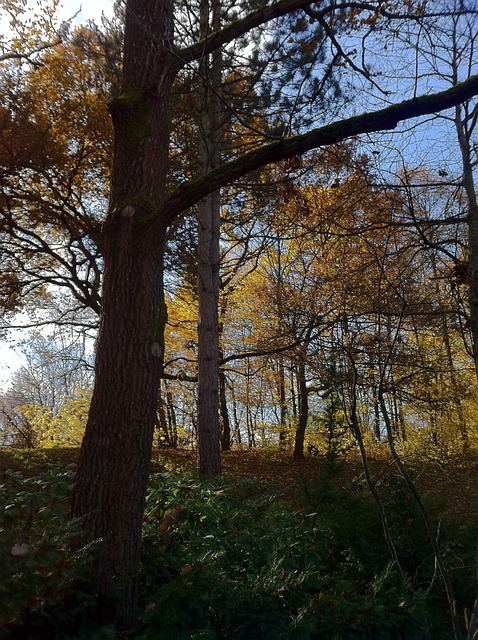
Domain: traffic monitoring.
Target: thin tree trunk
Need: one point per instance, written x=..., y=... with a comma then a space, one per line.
x=209, y=458
x=161, y=420
x=251, y=438
x=303, y=411
x=237, y=425
x=172, y=422
x=226, y=424
x=293, y=395
x=401, y=420
x=283, y=405
x=376, y=416
x=209, y=221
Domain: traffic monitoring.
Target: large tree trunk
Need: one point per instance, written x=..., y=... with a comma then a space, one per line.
x=114, y=462
x=116, y=451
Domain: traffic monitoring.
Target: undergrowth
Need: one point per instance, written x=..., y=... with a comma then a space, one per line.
x=237, y=559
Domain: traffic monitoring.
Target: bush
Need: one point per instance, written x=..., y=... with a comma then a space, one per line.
x=39, y=573
x=235, y=560
x=225, y=561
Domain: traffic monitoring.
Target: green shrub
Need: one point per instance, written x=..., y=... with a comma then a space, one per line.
x=237, y=562
x=39, y=573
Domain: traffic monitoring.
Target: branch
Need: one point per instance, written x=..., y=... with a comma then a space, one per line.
x=190, y=192
x=237, y=29
x=17, y=55
x=262, y=352
x=265, y=14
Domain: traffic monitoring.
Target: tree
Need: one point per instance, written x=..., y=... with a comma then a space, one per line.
x=49, y=393
x=209, y=220
x=27, y=38
x=54, y=147
x=113, y=468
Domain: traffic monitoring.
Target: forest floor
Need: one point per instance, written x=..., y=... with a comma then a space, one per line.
x=452, y=486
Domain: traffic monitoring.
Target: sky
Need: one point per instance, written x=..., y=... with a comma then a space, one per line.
x=89, y=9
x=10, y=360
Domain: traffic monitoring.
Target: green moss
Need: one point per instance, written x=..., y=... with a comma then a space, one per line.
x=143, y=209
x=130, y=113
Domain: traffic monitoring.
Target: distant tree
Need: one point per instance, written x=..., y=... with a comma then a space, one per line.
x=51, y=387
x=64, y=428
x=15, y=428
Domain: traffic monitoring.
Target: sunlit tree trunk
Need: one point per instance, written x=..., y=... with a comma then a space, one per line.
x=209, y=221
x=237, y=425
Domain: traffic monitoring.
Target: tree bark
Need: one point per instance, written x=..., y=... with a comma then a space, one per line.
x=114, y=462
x=209, y=222
x=209, y=455
x=303, y=410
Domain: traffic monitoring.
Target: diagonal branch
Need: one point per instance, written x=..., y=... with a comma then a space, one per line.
x=190, y=192
x=237, y=29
